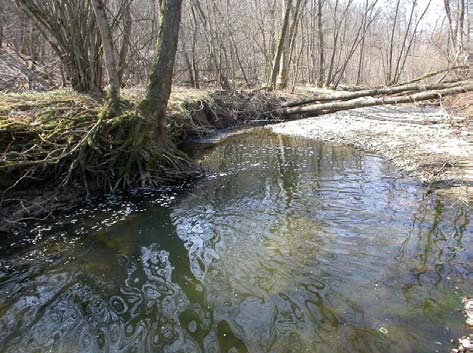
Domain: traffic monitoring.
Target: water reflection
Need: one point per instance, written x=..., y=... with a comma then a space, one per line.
x=286, y=246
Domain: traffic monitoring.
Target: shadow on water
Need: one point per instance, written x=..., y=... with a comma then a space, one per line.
x=287, y=245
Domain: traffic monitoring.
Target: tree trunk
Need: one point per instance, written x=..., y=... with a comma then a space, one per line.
x=435, y=73
x=127, y=28
x=195, y=32
x=281, y=45
x=110, y=61
x=289, y=47
x=371, y=93
x=283, y=71
x=321, y=44
x=159, y=88
x=188, y=63
x=332, y=107
x=362, y=48
x=2, y=22
x=389, y=65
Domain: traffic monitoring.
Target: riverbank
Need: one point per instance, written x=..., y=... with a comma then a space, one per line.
x=426, y=142
x=57, y=151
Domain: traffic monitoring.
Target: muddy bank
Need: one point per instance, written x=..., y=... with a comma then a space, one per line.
x=57, y=127
x=426, y=142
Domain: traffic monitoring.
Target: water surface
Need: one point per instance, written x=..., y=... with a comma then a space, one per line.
x=287, y=245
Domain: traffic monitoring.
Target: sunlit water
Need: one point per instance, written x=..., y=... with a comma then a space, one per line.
x=287, y=245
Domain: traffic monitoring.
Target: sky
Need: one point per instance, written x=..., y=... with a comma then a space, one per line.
x=433, y=15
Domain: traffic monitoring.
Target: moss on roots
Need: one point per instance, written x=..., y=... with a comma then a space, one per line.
x=61, y=138
x=81, y=144
x=56, y=147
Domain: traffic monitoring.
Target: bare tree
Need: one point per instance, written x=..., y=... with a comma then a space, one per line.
x=320, y=31
x=110, y=57
x=127, y=28
x=214, y=47
x=234, y=44
x=289, y=44
x=456, y=29
x=281, y=44
x=71, y=30
x=159, y=88
x=396, y=61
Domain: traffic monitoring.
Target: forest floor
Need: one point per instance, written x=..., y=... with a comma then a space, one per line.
x=429, y=143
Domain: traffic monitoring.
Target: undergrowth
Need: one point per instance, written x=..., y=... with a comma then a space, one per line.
x=64, y=137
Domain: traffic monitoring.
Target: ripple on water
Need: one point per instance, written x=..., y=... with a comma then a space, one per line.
x=286, y=246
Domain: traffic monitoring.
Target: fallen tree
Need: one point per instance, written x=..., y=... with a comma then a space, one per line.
x=344, y=96
x=332, y=107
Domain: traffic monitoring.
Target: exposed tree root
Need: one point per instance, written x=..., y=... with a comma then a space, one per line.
x=66, y=143
x=84, y=151
x=112, y=152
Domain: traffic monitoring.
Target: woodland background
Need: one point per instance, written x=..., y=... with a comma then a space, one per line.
x=233, y=44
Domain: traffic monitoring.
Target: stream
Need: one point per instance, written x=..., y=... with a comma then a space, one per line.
x=286, y=245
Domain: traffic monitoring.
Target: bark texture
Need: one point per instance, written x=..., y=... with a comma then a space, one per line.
x=70, y=28
x=281, y=45
x=371, y=93
x=331, y=107
x=159, y=88
x=110, y=57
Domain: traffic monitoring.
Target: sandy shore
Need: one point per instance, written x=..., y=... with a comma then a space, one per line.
x=424, y=142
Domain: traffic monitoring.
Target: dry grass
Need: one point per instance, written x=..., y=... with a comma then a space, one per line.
x=461, y=105
x=62, y=135
x=27, y=107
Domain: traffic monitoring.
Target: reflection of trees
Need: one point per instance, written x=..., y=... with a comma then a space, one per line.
x=71, y=312
x=263, y=214
x=428, y=251
x=268, y=160
x=259, y=265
